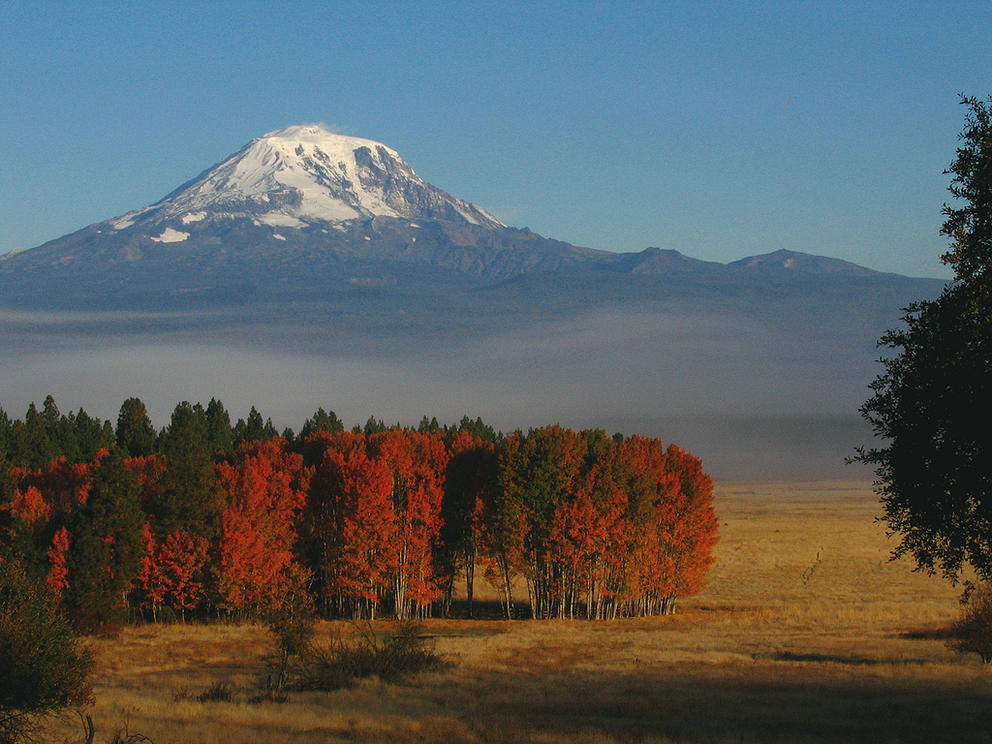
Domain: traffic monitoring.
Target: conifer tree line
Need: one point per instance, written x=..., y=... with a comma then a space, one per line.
x=208, y=519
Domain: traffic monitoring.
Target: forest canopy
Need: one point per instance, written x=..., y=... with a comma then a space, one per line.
x=205, y=517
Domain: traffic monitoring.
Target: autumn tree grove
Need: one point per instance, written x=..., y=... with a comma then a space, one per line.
x=209, y=519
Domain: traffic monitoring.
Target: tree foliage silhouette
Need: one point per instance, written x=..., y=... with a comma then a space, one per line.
x=930, y=405
x=135, y=433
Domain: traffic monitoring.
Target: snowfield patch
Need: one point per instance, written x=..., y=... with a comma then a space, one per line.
x=278, y=219
x=170, y=235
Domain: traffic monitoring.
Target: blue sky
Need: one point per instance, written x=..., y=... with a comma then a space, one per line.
x=718, y=129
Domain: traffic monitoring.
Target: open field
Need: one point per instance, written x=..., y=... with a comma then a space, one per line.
x=806, y=633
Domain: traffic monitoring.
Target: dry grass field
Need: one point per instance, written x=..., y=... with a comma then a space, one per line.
x=806, y=633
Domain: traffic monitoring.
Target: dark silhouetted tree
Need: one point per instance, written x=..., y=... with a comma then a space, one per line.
x=930, y=405
x=135, y=433
x=470, y=482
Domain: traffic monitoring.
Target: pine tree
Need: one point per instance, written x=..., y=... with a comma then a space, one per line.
x=32, y=445
x=321, y=421
x=42, y=667
x=220, y=435
x=254, y=429
x=6, y=435
x=105, y=546
x=135, y=433
x=90, y=435
x=187, y=498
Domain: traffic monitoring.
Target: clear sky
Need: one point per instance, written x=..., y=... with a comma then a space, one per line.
x=718, y=129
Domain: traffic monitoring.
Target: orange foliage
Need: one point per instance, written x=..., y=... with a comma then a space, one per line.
x=353, y=522
x=30, y=506
x=63, y=486
x=598, y=526
x=416, y=464
x=58, y=573
x=265, y=496
x=172, y=572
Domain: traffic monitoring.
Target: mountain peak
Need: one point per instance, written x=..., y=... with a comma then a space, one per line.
x=302, y=174
x=317, y=134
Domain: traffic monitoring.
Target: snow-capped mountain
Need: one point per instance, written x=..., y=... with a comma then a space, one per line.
x=305, y=213
x=302, y=175
x=291, y=206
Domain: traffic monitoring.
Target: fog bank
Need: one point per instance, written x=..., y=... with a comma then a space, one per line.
x=748, y=400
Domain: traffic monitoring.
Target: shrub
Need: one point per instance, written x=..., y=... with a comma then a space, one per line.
x=972, y=633
x=44, y=670
x=218, y=692
x=344, y=662
x=292, y=621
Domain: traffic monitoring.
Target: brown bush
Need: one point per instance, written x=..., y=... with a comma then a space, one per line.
x=972, y=633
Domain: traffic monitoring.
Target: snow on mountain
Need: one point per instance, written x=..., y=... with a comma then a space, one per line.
x=169, y=235
x=295, y=176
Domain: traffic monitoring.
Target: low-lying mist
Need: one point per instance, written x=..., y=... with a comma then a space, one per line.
x=750, y=400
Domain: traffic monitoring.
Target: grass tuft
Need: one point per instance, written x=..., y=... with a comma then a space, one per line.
x=391, y=658
x=218, y=692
